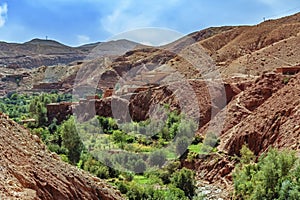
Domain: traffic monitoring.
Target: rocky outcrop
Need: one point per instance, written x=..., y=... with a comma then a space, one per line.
x=252, y=95
x=274, y=123
x=206, y=98
x=30, y=171
x=264, y=115
x=47, y=86
x=59, y=111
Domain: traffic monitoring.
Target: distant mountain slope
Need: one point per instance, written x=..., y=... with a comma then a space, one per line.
x=228, y=51
x=38, y=52
x=110, y=48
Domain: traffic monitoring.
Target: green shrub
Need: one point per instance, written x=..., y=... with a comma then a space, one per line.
x=157, y=158
x=185, y=180
x=64, y=158
x=102, y=172
x=128, y=176
x=192, y=156
x=285, y=80
x=140, y=166
x=122, y=187
x=182, y=144
x=197, y=139
x=88, y=163
x=108, y=124
x=119, y=137
x=174, y=193
x=275, y=176
x=211, y=140
x=136, y=192
x=71, y=140
x=57, y=149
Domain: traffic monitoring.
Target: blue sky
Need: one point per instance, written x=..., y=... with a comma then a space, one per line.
x=75, y=22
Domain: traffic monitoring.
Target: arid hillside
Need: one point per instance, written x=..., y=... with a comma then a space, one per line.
x=30, y=171
x=210, y=53
x=38, y=52
x=254, y=49
x=272, y=122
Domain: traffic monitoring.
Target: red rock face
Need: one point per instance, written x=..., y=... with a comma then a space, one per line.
x=244, y=103
x=138, y=104
x=30, y=171
x=273, y=123
x=266, y=114
x=60, y=111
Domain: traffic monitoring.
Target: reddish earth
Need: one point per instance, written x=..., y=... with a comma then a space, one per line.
x=264, y=115
x=254, y=49
x=30, y=171
x=209, y=96
x=272, y=123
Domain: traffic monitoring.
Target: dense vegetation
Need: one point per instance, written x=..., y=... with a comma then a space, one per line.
x=151, y=167
x=276, y=175
x=154, y=175
x=23, y=106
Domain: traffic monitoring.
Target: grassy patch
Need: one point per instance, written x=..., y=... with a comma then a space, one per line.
x=195, y=148
x=139, y=179
x=171, y=155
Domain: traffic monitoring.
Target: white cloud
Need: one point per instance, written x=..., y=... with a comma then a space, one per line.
x=83, y=39
x=130, y=14
x=3, y=14
x=149, y=36
x=123, y=19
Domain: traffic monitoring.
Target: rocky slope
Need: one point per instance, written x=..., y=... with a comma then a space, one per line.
x=273, y=123
x=29, y=171
x=264, y=115
x=212, y=53
x=206, y=98
x=233, y=50
x=254, y=49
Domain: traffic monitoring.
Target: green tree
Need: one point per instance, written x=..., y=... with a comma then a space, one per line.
x=71, y=140
x=185, y=180
x=119, y=137
x=182, y=144
x=157, y=158
x=140, y=166
x=41, y=114
x=275, y=176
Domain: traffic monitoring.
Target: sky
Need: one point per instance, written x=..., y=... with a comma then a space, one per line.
x=77, y=22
